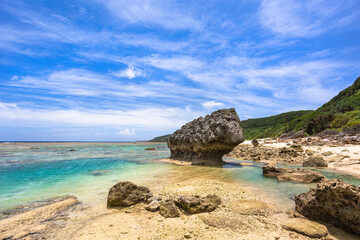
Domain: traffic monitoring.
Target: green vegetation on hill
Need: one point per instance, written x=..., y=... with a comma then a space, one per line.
x=341, y=111
x=160, y=138
x=269, y=126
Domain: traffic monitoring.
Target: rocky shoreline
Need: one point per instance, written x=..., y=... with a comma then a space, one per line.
x=345, y=158
x=240, y=215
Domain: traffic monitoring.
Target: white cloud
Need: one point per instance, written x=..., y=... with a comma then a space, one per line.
x=129, y=72
x=79, y=82
x=305, y=18
x=126, y=132
x=212, y=104
x=146, y=118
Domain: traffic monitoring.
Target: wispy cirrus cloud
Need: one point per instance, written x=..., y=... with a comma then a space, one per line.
x=167, y=14
x=297, y=18
x=156, y=118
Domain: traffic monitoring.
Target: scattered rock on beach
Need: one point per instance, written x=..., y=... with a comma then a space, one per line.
x=309, y=152
x=197, y=204
x=328, y=153
x=168, y=208
x=124, y=194
x=305, y=227
x=315, y=161
x=297, y=148
x=284, y=154
x=153, y=206
x=204, y=141
x=332, y=201
x=255, y=143
x=291, y=174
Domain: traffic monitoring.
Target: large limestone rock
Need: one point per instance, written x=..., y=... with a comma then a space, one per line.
x=293, y=175
x=206, y=140
x=197, y=204
x=333, y=201
x=124, y=194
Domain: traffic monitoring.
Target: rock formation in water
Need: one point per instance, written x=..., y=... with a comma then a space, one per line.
x=124, y=194
x=293, y=175
x=332, y=201
x=206, y=140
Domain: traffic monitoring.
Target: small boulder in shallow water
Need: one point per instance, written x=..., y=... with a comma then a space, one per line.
x=197, y=204
x=150, y=149
x=124, y=194
x=314, y=161
x=168, y=208
x=292, y=175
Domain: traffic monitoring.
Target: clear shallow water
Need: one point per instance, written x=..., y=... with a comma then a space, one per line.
x=280, y=193
x=35, y=171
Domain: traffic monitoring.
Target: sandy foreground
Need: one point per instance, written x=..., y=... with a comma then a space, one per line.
x=242, y=215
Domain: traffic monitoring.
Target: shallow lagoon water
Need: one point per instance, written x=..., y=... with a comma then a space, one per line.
x=35, y=171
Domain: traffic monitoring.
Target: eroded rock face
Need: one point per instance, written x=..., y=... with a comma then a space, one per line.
x=197, y=204
x=206, y=140
x=124, y=194
x=293, y=175
x=333, y=201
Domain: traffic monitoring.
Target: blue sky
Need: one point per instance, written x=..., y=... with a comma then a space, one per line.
x=131, y=70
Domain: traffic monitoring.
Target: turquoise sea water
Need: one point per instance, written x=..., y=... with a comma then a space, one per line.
x=35, y=171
